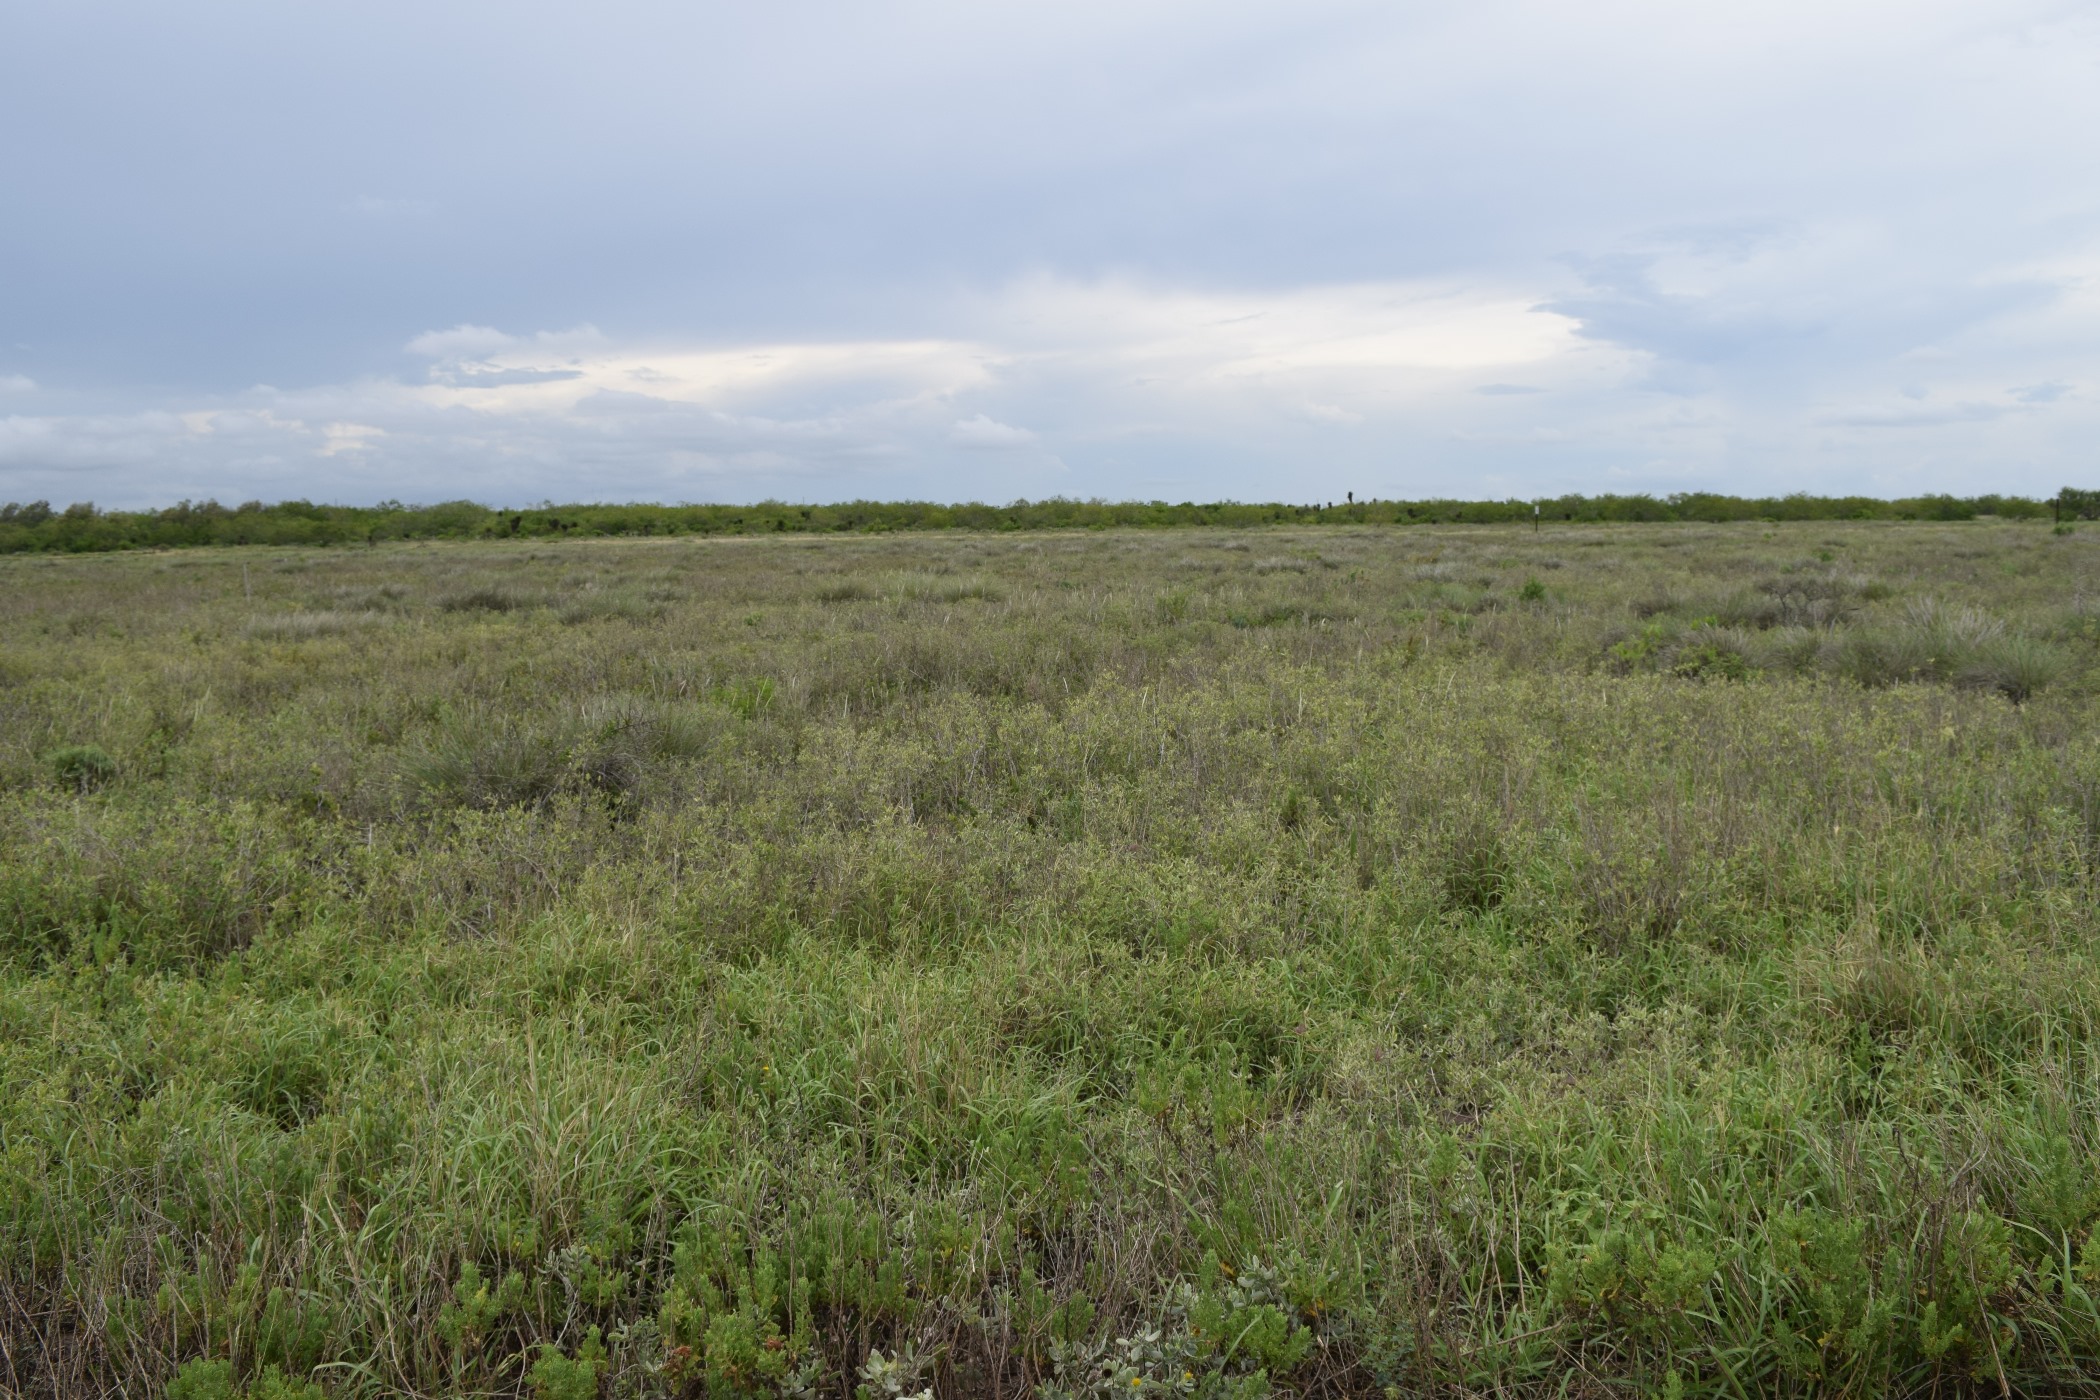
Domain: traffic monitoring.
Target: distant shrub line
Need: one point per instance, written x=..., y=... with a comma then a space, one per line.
x=81, y=528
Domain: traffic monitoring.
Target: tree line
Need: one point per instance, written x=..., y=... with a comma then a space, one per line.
x=81, y=528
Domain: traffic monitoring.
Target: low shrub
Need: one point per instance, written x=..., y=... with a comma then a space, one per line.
x=80, y=767
x=488, y=598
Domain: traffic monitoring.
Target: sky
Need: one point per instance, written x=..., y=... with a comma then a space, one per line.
x=820, y=250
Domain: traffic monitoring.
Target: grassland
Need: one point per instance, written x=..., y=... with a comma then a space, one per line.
x=1652, y=959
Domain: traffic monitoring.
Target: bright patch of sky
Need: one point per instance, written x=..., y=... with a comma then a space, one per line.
x=822, y=249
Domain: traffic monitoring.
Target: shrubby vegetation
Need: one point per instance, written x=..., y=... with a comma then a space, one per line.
x=80, y=528
x=1344, y=961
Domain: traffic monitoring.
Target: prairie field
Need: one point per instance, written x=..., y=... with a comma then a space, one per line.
x=1353, y=961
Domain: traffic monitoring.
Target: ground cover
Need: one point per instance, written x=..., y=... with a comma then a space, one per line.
x=1353, y=961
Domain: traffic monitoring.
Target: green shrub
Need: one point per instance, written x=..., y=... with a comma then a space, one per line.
x=159, y=882
x=558, y=1377
x=488, y=598
x=81, y=767
x=214, y=1380
x=204, y=1380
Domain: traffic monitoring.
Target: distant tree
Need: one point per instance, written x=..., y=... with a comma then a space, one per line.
x=2078, y=505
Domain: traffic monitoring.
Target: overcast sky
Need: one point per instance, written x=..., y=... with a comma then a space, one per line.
x=821, y=249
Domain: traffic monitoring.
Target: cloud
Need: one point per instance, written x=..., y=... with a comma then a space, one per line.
x=1201, y=390
x=461, y=341
x=338, y=438
x=1626, y=299
x=484, y=376
x=1136, y=362
x=1920, y=416
x=2042, y=393
x=984, y=432
x=1760, y=306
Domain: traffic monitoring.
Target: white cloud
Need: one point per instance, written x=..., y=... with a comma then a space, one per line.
x=339, y=438
x=461, y=341
x=1197, y=384
x=985, y=432
x=17, y=384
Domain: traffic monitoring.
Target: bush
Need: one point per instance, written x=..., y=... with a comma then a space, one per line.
x=488, y=598
x=163, y=884
x=81, y=767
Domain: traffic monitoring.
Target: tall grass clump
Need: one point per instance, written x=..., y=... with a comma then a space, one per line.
x=1966, y=645
x=498, y=598
x=305, y=626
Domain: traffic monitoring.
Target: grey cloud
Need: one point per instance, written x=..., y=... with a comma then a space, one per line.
x=1793, y=307
x=1621, y=303
x=485, y=377
x=983, y=432
x=464, y=339
x=1922, y=416
x=2042, y=393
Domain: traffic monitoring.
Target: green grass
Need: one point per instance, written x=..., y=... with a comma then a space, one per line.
x=1348, y=961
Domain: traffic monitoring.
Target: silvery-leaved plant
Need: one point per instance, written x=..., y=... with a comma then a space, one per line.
x=892, y=1377
x=1220, y=1341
